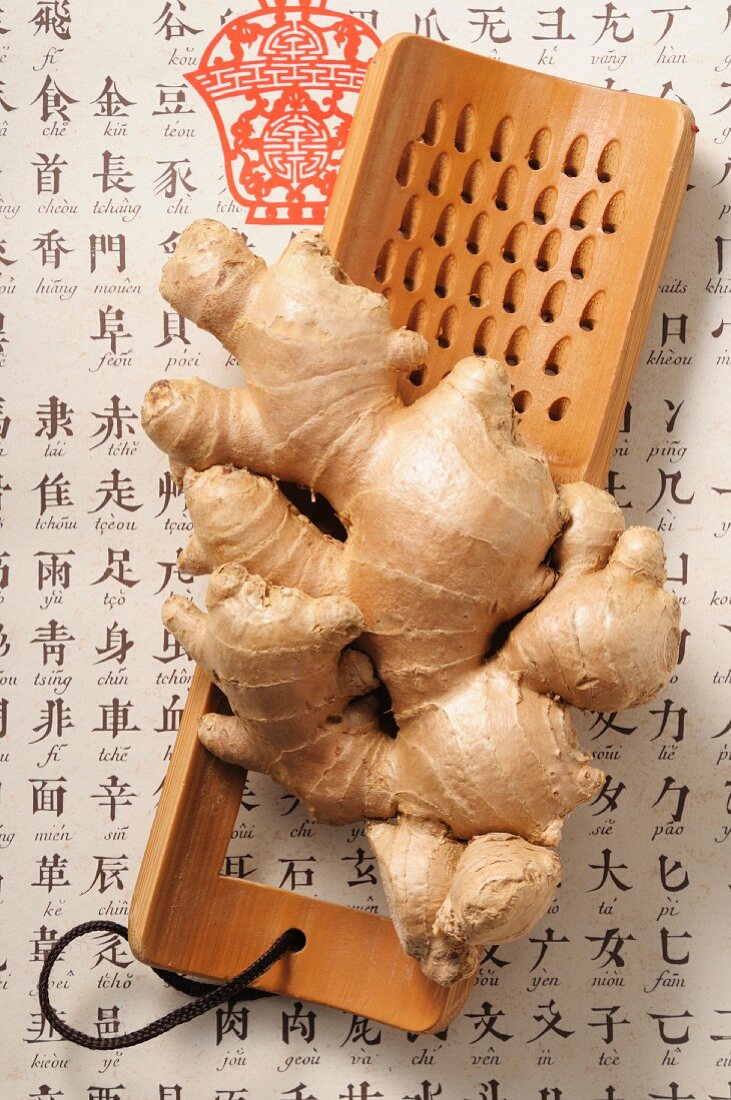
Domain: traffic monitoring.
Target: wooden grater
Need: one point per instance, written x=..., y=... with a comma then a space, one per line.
x=506, y=213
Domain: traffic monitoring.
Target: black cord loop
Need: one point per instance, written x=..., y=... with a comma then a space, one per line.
x=209, y=996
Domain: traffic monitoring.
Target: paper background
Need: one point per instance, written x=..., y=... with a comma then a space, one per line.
x=663, y=975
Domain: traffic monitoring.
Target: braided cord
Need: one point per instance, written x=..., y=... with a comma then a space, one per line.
x=209, y=996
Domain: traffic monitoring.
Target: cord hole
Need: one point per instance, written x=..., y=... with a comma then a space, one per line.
x=299, y=938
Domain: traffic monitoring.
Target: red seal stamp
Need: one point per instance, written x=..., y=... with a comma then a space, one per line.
x=281, y=83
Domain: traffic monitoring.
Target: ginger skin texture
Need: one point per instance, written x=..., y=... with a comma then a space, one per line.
x=482, y=598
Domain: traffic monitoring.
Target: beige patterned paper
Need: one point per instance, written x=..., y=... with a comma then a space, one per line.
x=623, y=992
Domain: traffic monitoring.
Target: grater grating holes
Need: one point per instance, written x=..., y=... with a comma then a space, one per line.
x=439, y=175
x=507, y=189
x=583, y=258
x=608, y=164
x=447, y=327
x=512, y=250
x=540, y=149
x=557, y=357
x=405, y=170
x=464, y=134
x=545, y=205
x=480, y=289
x=553, y=303
x=444, y=230
x=417, y=318
x=484, y=336
x=614, y=213
x=414, y=269
x=558, y=409
x=575, y=159
x=477, y=235
x=473, y=182
x=514, y=292
x=434, y=123
x=517, y=344
x=384, y=263
x=548, y=252
x=513, y=188
x=584, y=211
x=410, y=218
x=445, y=277
x=502, y=138
x=592, y=312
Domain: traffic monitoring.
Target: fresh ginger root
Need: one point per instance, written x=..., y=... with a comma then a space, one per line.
x=454, y=530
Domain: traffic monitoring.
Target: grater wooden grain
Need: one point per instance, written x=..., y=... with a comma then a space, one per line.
x=513, y=214
x=503, y=212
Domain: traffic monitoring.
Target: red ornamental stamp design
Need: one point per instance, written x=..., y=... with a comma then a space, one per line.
x=281, y=83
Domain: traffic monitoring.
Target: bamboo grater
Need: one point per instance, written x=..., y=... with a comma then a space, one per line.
x=517, y=215
x=506, y=213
